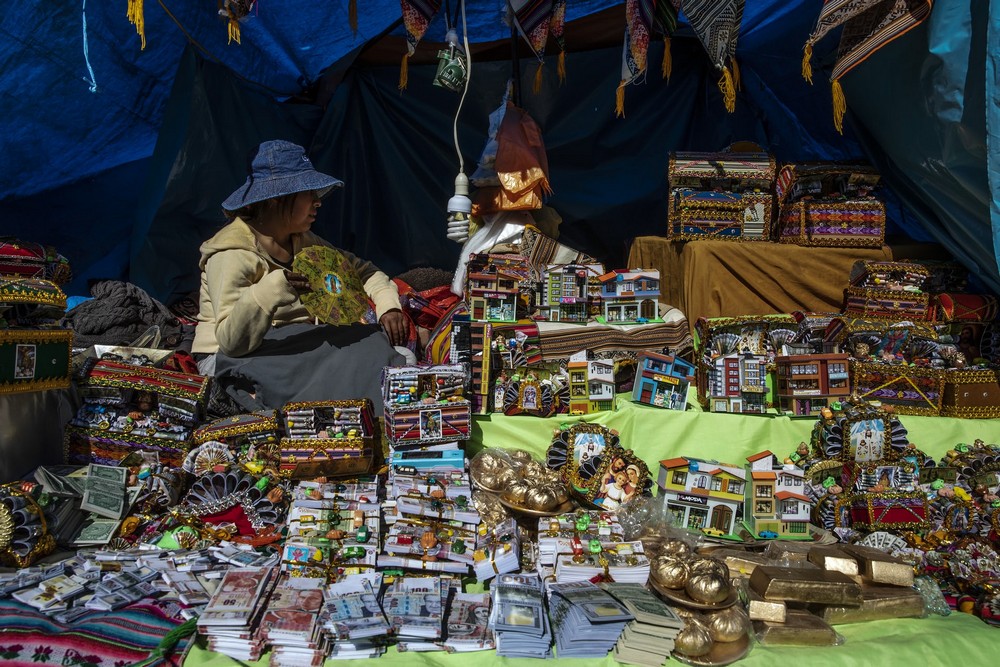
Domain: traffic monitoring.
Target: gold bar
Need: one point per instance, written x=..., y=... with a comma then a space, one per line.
x=880, y=602
x=799, y=629
x=879, y=567
x=760, y=609
x=805, y=585
x=833, y=559
x=740, y=563
x=790, y=554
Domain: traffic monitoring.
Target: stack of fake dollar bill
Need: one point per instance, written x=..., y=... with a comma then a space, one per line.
x=519, y=618
x=649, y=639
x=586, y=621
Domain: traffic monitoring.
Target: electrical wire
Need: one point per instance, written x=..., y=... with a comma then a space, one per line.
x=468, y=78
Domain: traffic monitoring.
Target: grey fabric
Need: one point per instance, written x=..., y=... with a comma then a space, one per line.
x=119, y=313
x=305, y=362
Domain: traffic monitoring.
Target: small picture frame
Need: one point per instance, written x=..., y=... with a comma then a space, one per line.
x=867, y=439
x=580, y=448
x=620, y=477
x=430, y=424
x=25, y=358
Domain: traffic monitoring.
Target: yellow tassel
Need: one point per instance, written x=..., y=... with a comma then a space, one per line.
x=135, y=17
x=352, y=15
x=736, y=74
x=839, y=105
x=620, y=101
x=561, y=67
x=728, y=90
x=668, y=60
x=807, y=68
x=537, y=86
x=404, y=71
x=234, y=30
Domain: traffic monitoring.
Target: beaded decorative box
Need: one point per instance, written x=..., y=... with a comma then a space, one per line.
x=727, y=196
x=971, y=393
x=426, y=404
x=329, y=438
x=911, y=390
x=24, y=259
x=241, y=432
x=829, y=205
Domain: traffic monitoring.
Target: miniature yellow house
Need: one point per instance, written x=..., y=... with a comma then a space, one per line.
x=591, y=384
x=776, y=503
x=703, y=494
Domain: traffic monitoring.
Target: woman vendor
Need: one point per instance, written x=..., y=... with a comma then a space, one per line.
x=254, y=334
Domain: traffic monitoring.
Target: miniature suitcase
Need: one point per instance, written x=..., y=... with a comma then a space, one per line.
x=242, y=432
x=426, y=404
x=887, y=304
x=829, y=205
x=911, y=390
x=24, y=259
x=971, y=394
x=329, y=438
x=722, y=196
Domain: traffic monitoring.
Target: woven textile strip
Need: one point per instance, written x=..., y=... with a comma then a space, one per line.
x=559, y=341
x=642, y=19
x=874, y=28
x=417, y=15
x=717, y=24
x=101, y=639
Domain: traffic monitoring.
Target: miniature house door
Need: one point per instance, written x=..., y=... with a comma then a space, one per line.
x=648, y=309
x=722, y=518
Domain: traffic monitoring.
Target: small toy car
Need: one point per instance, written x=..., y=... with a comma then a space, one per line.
x=713, y=532
x=768, y=535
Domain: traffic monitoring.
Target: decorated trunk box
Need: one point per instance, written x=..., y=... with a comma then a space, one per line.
x=24, y=259
x=971, y=393
x=241, y=433
x=887, y=304
x=426, y=404
x=329, y=438
x=829, y=205
x=889, y=510
x=127, y=408
x=911, y=390
x=34, y=352
x=867, y=339
x=726, y=196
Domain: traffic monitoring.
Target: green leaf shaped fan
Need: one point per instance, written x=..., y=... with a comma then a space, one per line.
x=337, y=296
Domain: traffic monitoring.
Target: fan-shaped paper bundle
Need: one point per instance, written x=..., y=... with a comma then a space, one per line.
x=337, y=295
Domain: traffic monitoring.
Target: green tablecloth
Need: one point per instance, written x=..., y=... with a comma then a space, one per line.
x=655, y=434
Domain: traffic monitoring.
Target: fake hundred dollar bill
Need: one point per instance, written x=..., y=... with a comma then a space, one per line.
x=104, y=491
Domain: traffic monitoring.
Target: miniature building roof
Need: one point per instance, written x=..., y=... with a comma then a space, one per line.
x=759, y=455
x=763, y=475
x=674, y=463
x=656, y=355
x=785, y=495
x=628, y=275
x=711, y=467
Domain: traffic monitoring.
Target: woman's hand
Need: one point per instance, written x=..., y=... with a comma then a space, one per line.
x=298, y=282
x=394, y=325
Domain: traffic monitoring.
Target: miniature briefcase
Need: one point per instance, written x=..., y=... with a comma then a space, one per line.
x=329, y=438
x=971, y=393
x=720, y=196
x=829, y=205
x=426, y=404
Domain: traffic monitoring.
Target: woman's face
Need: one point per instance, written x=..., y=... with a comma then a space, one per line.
x=304, y=209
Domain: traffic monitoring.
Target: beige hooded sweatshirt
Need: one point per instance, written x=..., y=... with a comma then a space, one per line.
x=244, y=292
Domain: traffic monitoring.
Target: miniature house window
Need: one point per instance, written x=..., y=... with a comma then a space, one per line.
x=679, y=478
x=762, y=507
x=700, y=481
x=789, y=507
x=734, y=486
x=697, y=517
x=797, y=527
x=716, y=484
x=764, y=491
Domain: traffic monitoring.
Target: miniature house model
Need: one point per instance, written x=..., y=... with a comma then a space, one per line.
x=591, y=384
x=703, y=494
x=776, y=503
x=568, y=293
x=808, y=383
x=662, y=380
x=630, y=296
x=738, y=383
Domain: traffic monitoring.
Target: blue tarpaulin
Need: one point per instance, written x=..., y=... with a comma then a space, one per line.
x=119, y=156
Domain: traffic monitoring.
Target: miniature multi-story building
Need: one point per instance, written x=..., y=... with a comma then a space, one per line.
x=737, y=383
x=807, y=383
x=494, y=285
x=662, y=380
x=591, y=384
x=703, y=494
x=630, y=296
x=568, y=292
x=776, y=502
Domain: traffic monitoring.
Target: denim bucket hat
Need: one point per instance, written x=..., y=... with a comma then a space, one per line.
x=279, y=168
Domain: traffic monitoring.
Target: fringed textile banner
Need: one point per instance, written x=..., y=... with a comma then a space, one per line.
x=717, y=25
x=417, y=15
x=532, y=18
x=868, y=26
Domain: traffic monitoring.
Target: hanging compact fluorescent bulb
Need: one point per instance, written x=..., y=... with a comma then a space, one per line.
x=459, y=206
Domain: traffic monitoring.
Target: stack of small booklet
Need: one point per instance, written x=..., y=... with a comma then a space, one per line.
x=352, y=618
x=232, y=616
x=649, y=639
